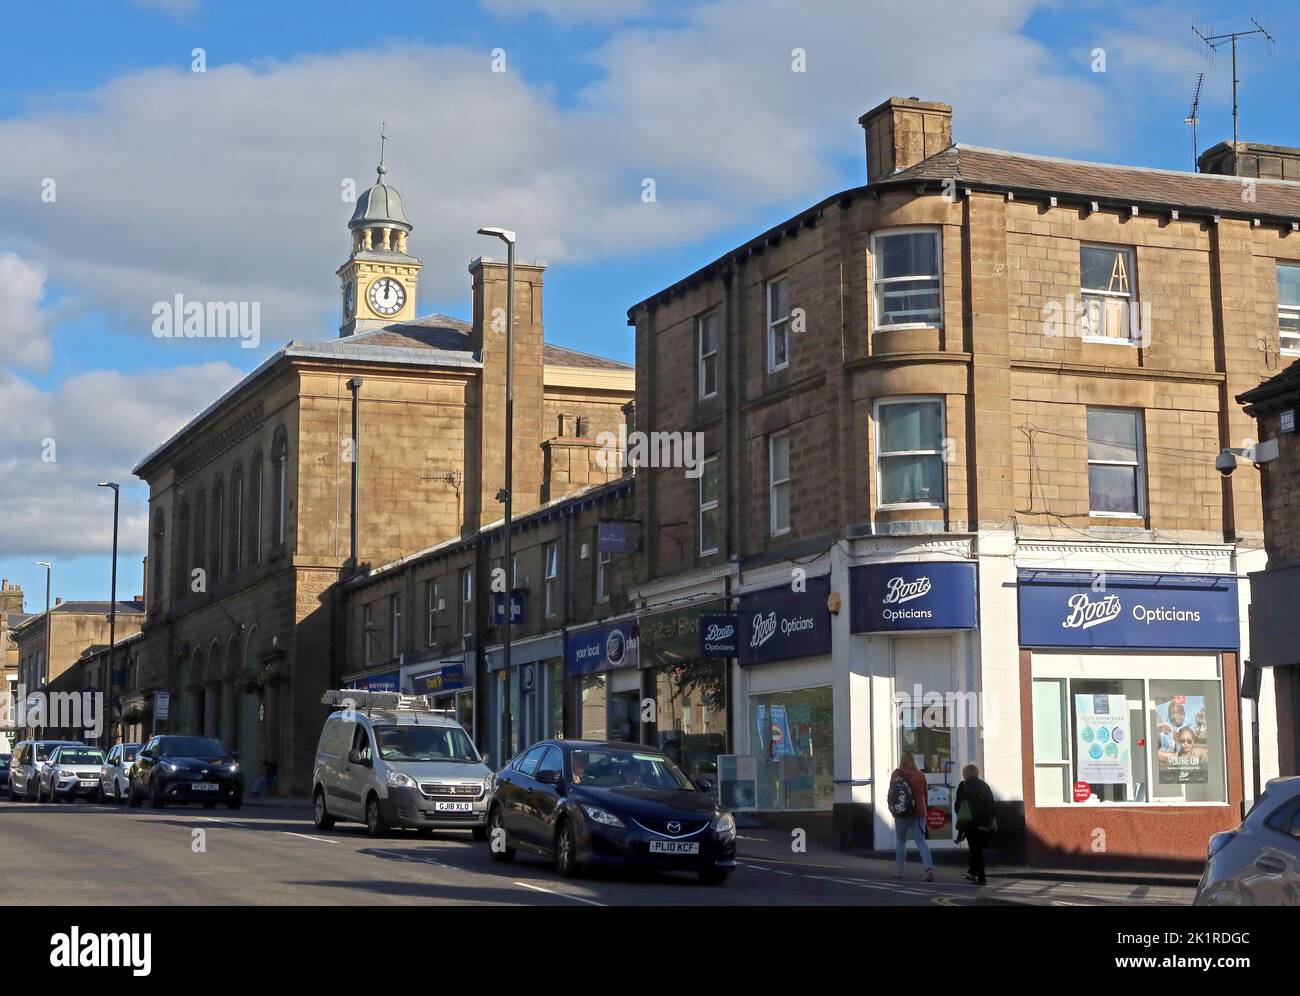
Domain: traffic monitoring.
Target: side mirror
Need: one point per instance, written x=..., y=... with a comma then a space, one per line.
x=549, y=777
x=704, y=785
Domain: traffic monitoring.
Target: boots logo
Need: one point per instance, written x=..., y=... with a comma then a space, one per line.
x=719, y=632
x=899, y=591
x=1085, y=613
x=764, y=629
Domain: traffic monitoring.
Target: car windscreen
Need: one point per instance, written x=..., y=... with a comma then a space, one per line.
x=43, y=751
x=80, y=755
x=190, y=747
x=128, y=754
x=424, y=743
x=600, y=767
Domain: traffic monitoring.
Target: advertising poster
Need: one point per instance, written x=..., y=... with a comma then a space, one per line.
x=782, y=746
x=1103, y=739
x=1182, y=738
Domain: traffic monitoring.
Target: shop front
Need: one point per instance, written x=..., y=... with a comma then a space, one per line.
x=1129, y=714
x=375, y=681
x=444, y=682
x=602, y=666
x=912, y=623
x=784, y=647
x=533, y=690
x=689, y=690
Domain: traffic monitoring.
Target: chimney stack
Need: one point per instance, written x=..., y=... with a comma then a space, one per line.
x=1250, y=159
x=902, y=131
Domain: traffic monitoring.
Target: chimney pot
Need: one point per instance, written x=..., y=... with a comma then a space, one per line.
x=902, y=131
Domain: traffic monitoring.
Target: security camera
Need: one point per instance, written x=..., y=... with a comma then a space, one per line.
x=1225, y=463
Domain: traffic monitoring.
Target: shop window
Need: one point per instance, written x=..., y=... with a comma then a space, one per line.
x=1106, y=279
x=907, y=278
x=795, y=749
x=591, y=707
x=1288, y=308
x=691, y=715
x=1115, y=462
x=909, y=453
x=710, y=517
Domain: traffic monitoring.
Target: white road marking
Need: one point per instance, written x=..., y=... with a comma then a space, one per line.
x=562, y=895
x=290, y=833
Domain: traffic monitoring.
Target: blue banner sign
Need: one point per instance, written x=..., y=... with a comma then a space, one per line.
x=516, y=607
x=604, y=648
x=778, y=624
x=890, y=597
x=612, y=537
x=443, y=679
x=388, y=681
x=1105, y=609
x=718, y=634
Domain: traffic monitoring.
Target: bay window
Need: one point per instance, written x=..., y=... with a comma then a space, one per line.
x=909, y=452
x=907, y=278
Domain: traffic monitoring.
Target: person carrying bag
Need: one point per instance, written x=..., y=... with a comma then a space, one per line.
x=976, y=821
x=908, y=802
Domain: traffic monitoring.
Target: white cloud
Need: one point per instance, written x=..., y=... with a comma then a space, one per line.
x=571, y=11
x=24, y=322
x=101, y=424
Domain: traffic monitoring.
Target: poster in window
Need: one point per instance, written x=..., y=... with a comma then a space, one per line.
x=1102, y=739
x=1181, y=727
x=781, y=744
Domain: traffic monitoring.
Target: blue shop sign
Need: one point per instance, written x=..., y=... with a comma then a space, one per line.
x=604, y=648
x=886, y=598
x=388, y=681
x=1152, y=611
x=718, y=634
x=516, y=607
x=777, y=624
x=443, y=679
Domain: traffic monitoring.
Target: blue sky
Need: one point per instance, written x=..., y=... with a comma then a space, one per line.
x=226, y=184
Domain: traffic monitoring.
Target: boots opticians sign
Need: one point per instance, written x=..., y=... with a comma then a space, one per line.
x=778, y=624
x=1157, y=611
x=932, y=595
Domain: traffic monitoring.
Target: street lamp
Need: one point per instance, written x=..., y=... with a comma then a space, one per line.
x=48, y=570
x=504, y=495
x=112, y=604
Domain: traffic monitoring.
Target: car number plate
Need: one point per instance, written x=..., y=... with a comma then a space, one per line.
x=205, y=786
x=674, y=847
x=453, y=807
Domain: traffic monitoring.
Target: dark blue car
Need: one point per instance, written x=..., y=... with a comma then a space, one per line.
x=584, y=803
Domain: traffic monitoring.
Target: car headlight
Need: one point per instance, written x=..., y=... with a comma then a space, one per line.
x=66, y=774
x=602, y=816
x=171, y=768
x=234, y=767
x=400, y=778
x=725, y=823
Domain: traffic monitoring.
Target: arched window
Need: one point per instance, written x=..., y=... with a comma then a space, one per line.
x=280, y=489
x=237, y=513
x=218, y=528
x=156, y=588
x=181, y=553
x=201, y=533
x=255, y=509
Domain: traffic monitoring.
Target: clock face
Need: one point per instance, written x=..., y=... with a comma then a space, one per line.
x=349, y=298
x=386, y=296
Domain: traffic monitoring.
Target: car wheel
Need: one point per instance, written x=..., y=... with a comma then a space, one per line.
x=320, y=814
x=376, y=825
x=13, y=793
x=103, y=797
x=566, y=850
x=497, y=836
x=714, y=876
x=156, y=799
x=480, y=833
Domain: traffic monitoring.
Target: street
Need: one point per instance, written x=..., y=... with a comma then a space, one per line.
x=88, y=855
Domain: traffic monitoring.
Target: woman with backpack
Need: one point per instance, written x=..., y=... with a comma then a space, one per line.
x=973, y=805
x=909, y=801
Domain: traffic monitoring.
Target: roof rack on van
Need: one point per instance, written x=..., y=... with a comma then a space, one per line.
x=367, y=702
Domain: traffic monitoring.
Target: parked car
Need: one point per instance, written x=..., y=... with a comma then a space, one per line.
x=71, y=771
x=389, y=760
x=173, y=768
x=1258, y=863
x=4, y=767
x=29, y=758
x=115, y=775
x=595, y=803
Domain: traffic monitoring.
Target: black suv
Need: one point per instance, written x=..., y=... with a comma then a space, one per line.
x=186, y=769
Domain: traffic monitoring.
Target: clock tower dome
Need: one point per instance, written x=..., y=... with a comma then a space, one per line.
x=379, y=279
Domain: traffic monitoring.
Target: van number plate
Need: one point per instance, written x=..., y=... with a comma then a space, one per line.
x=674, y=847
x=453, y=807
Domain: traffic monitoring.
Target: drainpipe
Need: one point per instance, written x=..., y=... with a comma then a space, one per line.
x=354, y=385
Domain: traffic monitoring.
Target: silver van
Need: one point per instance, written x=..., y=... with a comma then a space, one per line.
x=389, y=760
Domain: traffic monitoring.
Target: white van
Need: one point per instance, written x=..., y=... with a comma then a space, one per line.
x=389, y=760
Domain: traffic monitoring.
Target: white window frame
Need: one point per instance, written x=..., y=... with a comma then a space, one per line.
x=1291, y=312
x=1134, y=333
x=773, y=482
x=703, y=357
x=550, y=572
x=431, y=609
x=1140, y=466
x=704, y=506
x=878, y=283
x=466, y=601
x=883, y=403
x=395, y=620
x=603, y=558
x=783, y=323
x=367, y=629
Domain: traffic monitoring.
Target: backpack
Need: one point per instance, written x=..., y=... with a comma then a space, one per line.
x=900, y=799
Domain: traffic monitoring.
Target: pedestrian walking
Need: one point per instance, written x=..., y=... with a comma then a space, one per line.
x=976, y=822
x=908, y=801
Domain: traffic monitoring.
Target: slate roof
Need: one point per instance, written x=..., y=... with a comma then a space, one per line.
x=1282, y=390
x=81, y=608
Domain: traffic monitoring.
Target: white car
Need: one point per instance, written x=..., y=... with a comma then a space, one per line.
x=115, y=775
x=71, y=771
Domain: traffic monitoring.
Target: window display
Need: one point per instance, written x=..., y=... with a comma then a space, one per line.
x=793, y=743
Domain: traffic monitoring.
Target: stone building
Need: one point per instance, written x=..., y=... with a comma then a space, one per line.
x=959, y=431
x=12, y=614
x=250, y=508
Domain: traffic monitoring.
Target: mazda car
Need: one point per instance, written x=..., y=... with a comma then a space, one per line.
x=587, y=803
x=173, y=768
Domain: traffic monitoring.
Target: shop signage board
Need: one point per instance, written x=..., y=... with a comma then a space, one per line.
x=1156, y=611
x=778, y=624
x=605, y=648
x=385, y=681
x=673, y=636
x=162, y=704
x=516, y=607
x=442, y=679
x=886, y=598
x=613, y=537
x=719, y=635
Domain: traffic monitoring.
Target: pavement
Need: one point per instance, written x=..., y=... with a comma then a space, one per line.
x=269, y=853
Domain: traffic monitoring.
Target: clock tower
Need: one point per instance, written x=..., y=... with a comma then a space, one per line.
x=379, y=279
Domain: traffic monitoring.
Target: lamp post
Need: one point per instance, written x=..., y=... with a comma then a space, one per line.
x=504, y=495
x=112, y=604
x=46, y=669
